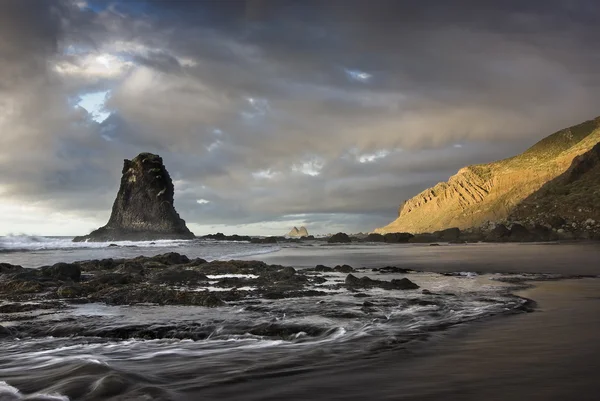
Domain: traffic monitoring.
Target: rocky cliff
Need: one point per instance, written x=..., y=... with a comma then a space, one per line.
x=298, y=232
x=490, y=192
x=143, y=209
x=569, y=202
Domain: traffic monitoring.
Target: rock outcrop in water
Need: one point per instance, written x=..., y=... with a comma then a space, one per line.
x=298, y=232
x=143, y=209
x=490, y=192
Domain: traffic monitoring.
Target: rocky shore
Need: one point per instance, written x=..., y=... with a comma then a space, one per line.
x=167, y=279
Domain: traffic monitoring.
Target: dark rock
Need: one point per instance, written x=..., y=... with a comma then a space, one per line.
x=434, y=244
x=519, y=233
x=498, y=233
x=373, y=237
x=353, y=282
x=171, y=258
x=69, y=291
x=321, y=268
x=179, y=276
x=556, y=222
x=111, y=280
x=266, y=240
x=223, y=237
x=542, y=233
x=5, y=332
x=156, y=294
x=403, y=284
x=339, y=238
x=113, y=245
x=143, y=209
x=63, y=271
x=393, y=269
x=8, y=268
x=20, y=286
x=344, y=269
x=397, y=237
x=103, y=264
x=426, y=292
x=449, y=234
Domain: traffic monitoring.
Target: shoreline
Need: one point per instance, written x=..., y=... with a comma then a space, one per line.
x=545, y=355
x=550, y=354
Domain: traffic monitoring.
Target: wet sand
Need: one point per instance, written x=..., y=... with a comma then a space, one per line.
x=556, y=258
x=550, y=354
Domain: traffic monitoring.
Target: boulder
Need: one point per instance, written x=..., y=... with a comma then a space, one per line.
x=143, y=209
x=344, y=269
x=8, y=268
x=63, y=271
x=499, y=233
x=397, y=237
x=373, y=237
x=322, y=268
x=339, y=238
x=449, y=234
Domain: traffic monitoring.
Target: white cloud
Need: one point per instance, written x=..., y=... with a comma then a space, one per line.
x=265, y=174
x=358, y=76
x=372, y=157
x=202, y=201
x=311, y=167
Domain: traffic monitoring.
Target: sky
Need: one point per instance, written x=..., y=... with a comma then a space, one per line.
x=271, y=114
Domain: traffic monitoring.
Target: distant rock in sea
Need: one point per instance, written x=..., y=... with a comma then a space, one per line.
x=298, y=232
x=143, y=209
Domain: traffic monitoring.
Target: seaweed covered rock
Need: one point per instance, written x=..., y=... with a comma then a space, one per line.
x=143, y=209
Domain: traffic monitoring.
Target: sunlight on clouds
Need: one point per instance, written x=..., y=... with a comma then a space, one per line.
x=30, y=219
x=94, y=66
x=202, y=201
x=372, y=157
x=311, y=167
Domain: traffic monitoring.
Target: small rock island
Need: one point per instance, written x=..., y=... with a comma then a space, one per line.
x=298, y=232
x=143, y=209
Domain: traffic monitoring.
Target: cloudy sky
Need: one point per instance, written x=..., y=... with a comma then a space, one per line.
x=274, y=113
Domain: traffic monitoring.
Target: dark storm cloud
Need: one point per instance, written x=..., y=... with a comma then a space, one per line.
x=335, y=111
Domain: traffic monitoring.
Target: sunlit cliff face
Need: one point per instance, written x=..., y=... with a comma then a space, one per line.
x=270, y=114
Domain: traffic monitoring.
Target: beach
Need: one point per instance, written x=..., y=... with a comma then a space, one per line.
x=489, y=321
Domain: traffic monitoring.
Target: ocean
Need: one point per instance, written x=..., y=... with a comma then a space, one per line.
x=83, y=351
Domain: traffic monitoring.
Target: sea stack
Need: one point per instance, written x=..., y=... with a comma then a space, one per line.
x=298, y=232
x=143, y=209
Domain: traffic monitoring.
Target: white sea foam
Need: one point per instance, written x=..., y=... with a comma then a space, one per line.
x=10, y=393
x=38, y=243
x=220, y=276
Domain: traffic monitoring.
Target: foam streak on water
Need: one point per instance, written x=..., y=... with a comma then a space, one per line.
x=86, y=353
x=34, y=251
